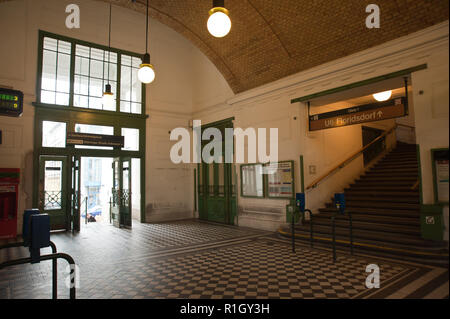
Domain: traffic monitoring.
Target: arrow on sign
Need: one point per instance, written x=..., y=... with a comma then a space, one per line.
x=380, y=114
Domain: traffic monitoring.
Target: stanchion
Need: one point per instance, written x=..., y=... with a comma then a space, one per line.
x=333, y=222
x=311, y=237
x=85, y=212
x=351, y=232
x=110, y=210
x=293, y=231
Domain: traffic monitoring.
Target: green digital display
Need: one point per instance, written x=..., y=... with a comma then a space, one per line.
x=11, y=102
x=8, y=97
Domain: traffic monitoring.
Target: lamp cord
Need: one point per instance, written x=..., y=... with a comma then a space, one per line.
x=109, y=40
x=146, y=31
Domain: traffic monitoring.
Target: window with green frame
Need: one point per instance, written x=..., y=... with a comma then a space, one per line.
x=74, y=73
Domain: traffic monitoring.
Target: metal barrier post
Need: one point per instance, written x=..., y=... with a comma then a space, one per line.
x=334, y=237
x=54, y=273
x=310, y=227
x=85, y=212
x=351, y=232
x=68, y=258
x=293, y=231
x=54, y=265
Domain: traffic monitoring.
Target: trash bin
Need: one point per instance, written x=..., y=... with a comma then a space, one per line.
x=432, y=222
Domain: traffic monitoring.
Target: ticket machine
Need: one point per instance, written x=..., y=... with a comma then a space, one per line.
x=9, y=200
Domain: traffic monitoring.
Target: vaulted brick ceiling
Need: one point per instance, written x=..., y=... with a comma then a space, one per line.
x=271, y=39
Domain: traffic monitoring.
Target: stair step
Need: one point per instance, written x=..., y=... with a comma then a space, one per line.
x=368, y=187
x=399, y=169
x=388, y=185
x=343, y=222
x=412, y=214
x=380, y=205
x=382, y=199
x=396, y=160
x=379, y=236
x=399, y=159
x=389, y=178
x=382, y=165
x=376, y=219
x=381, y=193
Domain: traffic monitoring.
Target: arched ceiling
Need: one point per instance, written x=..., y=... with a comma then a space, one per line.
x=272, y=39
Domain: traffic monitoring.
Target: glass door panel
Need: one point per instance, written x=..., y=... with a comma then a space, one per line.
x=53, y=190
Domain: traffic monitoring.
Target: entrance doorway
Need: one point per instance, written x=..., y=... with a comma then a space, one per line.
x=95, y=190
x=78, y=191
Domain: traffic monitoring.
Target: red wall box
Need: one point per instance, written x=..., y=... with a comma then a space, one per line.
x=9, y=201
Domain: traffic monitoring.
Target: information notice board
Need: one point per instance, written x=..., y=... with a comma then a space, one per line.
x=252, y=180
x=280, y=179
x=440, y=174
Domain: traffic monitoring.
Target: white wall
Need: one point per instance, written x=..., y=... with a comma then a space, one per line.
x=169, y=98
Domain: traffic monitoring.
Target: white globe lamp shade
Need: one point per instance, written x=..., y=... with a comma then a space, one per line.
x=219, y=23
x=108, y=98
x=146, y=73
x=108, y=101
x=382, y=96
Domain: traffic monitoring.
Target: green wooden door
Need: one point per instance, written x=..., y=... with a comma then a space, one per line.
x=53, y=194
x=121, y=199
x=216, y=186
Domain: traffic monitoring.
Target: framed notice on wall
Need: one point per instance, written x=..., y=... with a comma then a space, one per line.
x=280, y=179
x=252, y=180
x=439, y=159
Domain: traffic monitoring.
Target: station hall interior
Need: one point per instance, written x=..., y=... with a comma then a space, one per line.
x=105, y=105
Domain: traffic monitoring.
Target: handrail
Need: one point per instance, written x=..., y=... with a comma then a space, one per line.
x=406, y=125
x=351, y=158
x=416, y=184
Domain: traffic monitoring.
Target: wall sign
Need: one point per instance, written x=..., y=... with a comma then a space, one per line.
x=440, y=174
x=359, y=114
x=11, y=102
x=280, y=179
x=74, y=138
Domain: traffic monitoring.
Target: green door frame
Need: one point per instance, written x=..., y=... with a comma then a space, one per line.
x=209, y=198
x=72, y=115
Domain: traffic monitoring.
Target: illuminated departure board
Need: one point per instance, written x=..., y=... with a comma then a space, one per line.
x=11, y=102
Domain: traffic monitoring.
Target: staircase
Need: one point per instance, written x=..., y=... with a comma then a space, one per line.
x=385, y=208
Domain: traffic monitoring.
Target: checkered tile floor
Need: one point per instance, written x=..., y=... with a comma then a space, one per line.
x=213, y=262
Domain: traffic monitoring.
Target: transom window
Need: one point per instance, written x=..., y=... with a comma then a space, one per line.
x=82, y=84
